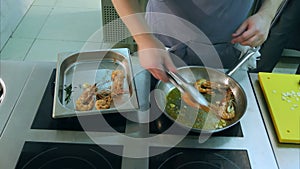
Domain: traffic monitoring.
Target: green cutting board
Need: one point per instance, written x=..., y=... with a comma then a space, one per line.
x=282, y=94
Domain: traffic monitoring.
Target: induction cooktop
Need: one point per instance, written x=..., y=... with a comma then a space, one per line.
x=38, y=141
x=116, y=121
x=44, y=155
x=193, y=158
x=44, y=120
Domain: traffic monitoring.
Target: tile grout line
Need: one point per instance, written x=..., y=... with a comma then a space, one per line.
x=11, y=35
x=38, y=31
x=36, y=38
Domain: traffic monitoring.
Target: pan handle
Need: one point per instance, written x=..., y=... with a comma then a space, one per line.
x=241, y=61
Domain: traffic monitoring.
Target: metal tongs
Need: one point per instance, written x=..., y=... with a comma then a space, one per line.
x=190, y=94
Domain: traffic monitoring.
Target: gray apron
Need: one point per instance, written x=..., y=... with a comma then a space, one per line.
x=198, y=31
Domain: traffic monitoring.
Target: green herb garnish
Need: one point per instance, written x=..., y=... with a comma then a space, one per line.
x=68, y=91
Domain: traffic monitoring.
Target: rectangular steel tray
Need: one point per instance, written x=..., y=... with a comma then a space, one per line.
x=93, y=67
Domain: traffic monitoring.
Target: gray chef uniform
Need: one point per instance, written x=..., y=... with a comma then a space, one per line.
x=192, y=28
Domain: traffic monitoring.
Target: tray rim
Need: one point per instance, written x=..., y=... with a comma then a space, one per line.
x=60, y=111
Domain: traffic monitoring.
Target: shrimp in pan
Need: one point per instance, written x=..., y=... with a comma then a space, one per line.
x=226, y=108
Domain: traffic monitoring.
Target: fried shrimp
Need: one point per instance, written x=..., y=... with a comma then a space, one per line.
x=86, y=100
x=102, y=104
x=226, y=109
x=117, y=78
x=209, y=87
x=104, y=100
x=91, y=98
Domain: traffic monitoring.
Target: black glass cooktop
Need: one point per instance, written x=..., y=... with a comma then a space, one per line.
x=40, y=155
x=192, y=158
x=44, y=120
x=116, y=121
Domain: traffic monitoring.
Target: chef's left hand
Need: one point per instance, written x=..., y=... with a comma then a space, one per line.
x=253, y=31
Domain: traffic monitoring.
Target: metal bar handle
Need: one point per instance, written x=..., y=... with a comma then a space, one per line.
x=245, y=58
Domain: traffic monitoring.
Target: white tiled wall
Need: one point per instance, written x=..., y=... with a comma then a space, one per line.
x=11, y=13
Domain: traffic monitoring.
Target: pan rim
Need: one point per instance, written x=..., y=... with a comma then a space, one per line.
x=198, y=130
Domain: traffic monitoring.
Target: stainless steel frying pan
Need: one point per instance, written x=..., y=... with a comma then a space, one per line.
x=193, y=73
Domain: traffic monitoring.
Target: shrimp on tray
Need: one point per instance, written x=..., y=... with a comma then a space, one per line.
x=86, y=100
x=90, y=97
x=103, y=99
x=117, y=78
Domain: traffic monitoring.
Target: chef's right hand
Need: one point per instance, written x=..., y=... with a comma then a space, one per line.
x=153, y=55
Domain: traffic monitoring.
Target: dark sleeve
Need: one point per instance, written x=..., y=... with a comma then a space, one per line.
x=284, y=34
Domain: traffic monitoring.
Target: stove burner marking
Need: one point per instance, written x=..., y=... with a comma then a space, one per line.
x=228, y=160
x=104, y=158
x=91, y=166
x=185, y=165
x=68, y=157
x=177, y=154
x=35, y=157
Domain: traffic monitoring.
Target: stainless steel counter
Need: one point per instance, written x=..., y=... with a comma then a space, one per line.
x=14, y=75
x=136, y=139
x=287, y=155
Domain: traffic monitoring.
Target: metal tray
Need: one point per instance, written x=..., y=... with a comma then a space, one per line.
x=93, y=67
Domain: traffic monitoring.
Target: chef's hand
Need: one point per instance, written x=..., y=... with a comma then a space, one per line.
x=253, y=31
x=153, y=55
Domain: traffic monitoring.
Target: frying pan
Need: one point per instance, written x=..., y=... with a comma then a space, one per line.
x=193, y=73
